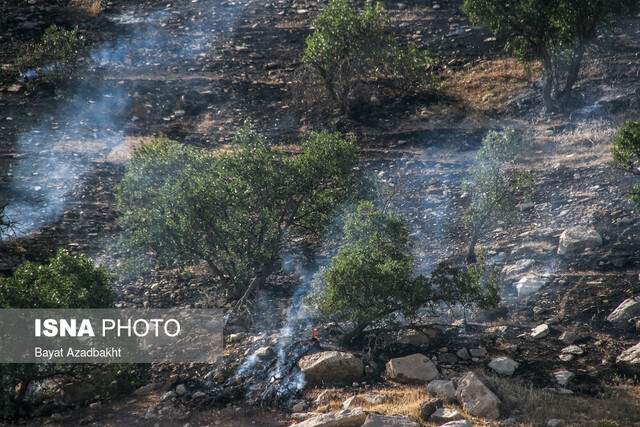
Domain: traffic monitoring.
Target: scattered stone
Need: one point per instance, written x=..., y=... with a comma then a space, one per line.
x=146, y=389
x=264, y=352
x=413, y=337
x=234, y=338
x=529, y=285
x=346, y=418
x=300, y=406
x=573, y=349
x=447, y=358
x=552, y=320
x=351, y=402
x=168, y=395
x=375, y=420
x=304, y=415
x=198, y=394
x=540, y=331
x=508, y=422
x=569, y=337
x=577, y=239
x=151, y=413
x=563, y=377
x=553, y=422
x=56, y=417
x=78, y=392
x=416, y=368
x=478, y=352
x=443, y=389
x=476, y=398
x=629, y=360
x=628, y=309
x=504, y=365
x=518, y=268
x=463, y=354
x=15, y=88
x=375, y=398
x=457, y=423
x=566, y=357
x=331, y=367
x=444, y=415
x=181, y=389
x=428, y=407
x=324, y=397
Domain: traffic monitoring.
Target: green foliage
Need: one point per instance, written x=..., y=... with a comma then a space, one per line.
x=371, y=281
x=57, y=58
x=66, y=282
x=349, y=48
x=556, y=32
x=231, y=210
x=626, y=155
x=494, y=185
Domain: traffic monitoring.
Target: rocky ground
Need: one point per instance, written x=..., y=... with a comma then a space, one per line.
x=194, y=70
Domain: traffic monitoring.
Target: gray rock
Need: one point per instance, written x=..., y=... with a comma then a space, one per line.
x=476, y=398
x=151, y=413
x=78, y=392
x=443, y=389
x=529, y=285
x=375, y=398
x=478, y=352
x=497, y=330
x=444, y=415
x=627, y=310
x=518, y=268
x=331, y=367
x=351, y=402
x=563, y=377
x=463, y=354
x=416, y=368
x=447, y=358
x=428, y=407
x=553, y=422
x=324, y=397
x=569, y=337
x=577, y=239
x=181, y=389
x=346, y=418
x=413, y=337
x=540, y=331
x=458, y=423
x=299, y=406
x=375, y=420
x=504, y=365
x=573, y=349
x=629, y=360
x=263, y=352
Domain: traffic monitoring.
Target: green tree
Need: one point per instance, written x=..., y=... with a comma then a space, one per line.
x=626, y=155
x=231, y=210
x=350, y=48
x=555, y=32
x=495, y=186
x=55, y=60
x=371, y=281
x=66, y=282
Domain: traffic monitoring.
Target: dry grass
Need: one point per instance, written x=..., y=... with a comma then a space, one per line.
x=491, y=85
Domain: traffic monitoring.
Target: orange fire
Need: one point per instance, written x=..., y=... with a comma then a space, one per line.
x=314, y=335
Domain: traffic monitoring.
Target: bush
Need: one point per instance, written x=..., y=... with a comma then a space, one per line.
x=626, y=155
x=495, y=186
x=55, y=60
x=350, y=48
x=370, y=281
x=555, y=32
x=231, y=210
x=66, y=282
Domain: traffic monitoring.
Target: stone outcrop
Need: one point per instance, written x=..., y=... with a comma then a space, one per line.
x=504, y=365
x=347, y=418
x=627, y=310
x=629, y=360
x=476, y=398
x=416, y=368
x=331, y=367
x=577, y=239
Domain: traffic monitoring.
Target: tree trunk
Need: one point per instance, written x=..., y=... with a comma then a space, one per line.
x=572, y=75
x=346, y=338
x=259, y=280
x=547, y=87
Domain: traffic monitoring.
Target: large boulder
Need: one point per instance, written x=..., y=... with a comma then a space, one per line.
x=504, y=365
x=416, y=368
x=628, y=309
x=375, y=420
x=529, y=285
x=476, y=398
x=577, y=239
x=629, y=360
x=331, y=367
x=347, y=418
